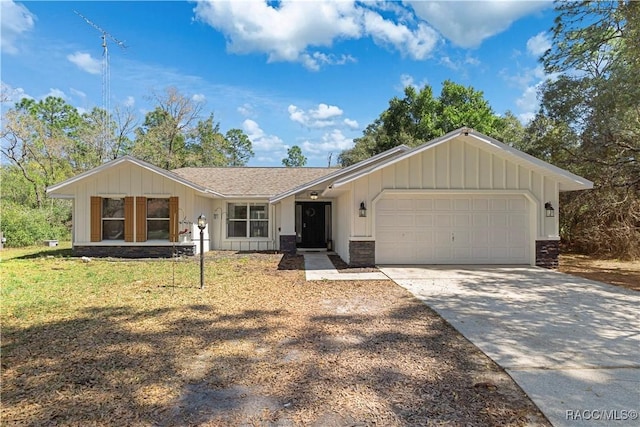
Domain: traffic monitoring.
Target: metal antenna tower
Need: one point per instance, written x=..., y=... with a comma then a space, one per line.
x=106, y=75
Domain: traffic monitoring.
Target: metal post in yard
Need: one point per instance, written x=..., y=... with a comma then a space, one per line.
x=202, y=224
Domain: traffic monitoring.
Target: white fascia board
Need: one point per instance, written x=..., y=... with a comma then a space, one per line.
x=129, y=159
x=86, y=174
x=62, y=196
x=244, y=196
x=337, y=173
x=574, y=182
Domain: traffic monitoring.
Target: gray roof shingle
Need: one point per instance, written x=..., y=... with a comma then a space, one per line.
x=251, y=181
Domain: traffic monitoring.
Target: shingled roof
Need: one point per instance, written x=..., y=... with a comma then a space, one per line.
x=251, y=181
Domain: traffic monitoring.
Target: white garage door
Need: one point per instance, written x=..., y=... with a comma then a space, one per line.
x=446, y=229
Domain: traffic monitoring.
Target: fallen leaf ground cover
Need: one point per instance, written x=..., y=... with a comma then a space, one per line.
x=138, y=343
x=615, y=272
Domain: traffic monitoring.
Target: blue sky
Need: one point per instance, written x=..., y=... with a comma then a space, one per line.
x=306, y=73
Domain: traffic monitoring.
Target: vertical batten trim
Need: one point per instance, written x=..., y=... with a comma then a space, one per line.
x=477, y=167
x=491, y=171
x=433, y=168
x=504, y=174
x=420, y=170
x=449, y=165
x=464, y=166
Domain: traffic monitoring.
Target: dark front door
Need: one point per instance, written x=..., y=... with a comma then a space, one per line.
x=313, y=225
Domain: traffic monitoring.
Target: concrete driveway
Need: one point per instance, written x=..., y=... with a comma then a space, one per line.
x=572, y=344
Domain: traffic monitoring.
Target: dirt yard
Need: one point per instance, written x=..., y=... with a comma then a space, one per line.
x=123, y=345
x=619, y=273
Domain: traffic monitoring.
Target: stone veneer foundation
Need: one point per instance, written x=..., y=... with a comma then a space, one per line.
x=362, y=253
x=134, y=251
x=547, y=252
x=288, y=244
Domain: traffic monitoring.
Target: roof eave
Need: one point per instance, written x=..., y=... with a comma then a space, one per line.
x=401, y=157
x=167, y=174
x=333, y=175
x=575, y=182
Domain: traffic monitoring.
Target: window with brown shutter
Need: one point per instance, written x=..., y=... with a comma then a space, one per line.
x=128, y=219
x=173, y=219
x=96, y=219
x=141, y=219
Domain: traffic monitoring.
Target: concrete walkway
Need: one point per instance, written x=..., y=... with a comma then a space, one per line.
x=573, y=345
x=318, y=266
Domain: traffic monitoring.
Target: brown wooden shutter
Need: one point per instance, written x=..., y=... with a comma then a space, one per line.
x=173, y=219
x=128, y=219
x=96, y=219
x=141, y=219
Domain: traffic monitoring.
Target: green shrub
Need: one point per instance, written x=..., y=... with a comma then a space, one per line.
x=25, y=226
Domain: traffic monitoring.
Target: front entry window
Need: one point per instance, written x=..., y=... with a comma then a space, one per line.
x=158, y=219
x=247, y=220
x=112, y=219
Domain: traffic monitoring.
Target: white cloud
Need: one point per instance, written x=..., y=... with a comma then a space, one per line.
x=315, y=60
x=129, y=101
x=259, y=139
x=538, y=44
x=447, y=62
x=526, y=76
x=78, y=93
x=526, y=117
x=287, y=30
x=408, y=80
x=323, y=116
x=283, y=32
x=416, y=44
x=470, y=60
x=529, y=98
x=198, y=97
x=529, y=81
x=16, y=20
x=86, y=62
x=351, y=123
x=325, y=111
x=528, y=103
x=293, y=31
x=10, y=94
x=333, y=141
x=56, y=93
x=245, y=109
x=467, y=24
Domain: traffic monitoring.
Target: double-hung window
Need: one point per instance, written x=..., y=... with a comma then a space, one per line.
x=247, y=220
x=157, y=219
x=112, y=218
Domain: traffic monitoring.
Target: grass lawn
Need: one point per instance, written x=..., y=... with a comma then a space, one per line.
x=138, y=343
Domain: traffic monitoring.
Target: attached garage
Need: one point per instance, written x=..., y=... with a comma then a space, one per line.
x=463, y=198
x=423, y=228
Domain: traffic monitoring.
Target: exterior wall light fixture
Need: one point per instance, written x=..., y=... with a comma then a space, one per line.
x=313, y=195
x=362, y=211
x=549, y=211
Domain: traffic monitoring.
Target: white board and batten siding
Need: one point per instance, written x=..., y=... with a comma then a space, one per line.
x=128, y=180
x=455, y=203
